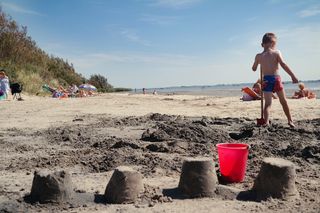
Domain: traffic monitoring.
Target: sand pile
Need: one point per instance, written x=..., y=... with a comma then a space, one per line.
x=51, y=187
x=156, y=145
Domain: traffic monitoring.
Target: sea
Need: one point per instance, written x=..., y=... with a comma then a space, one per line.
x=226, y=90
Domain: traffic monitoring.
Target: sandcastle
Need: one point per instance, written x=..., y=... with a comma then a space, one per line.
x=198, y=178
x=124, y=186
x=276, y=179
x=51, y=187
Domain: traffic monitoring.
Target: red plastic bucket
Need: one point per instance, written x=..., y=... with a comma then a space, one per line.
x=233, y=161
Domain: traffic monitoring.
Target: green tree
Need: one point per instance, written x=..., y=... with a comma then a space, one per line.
x=100, y=82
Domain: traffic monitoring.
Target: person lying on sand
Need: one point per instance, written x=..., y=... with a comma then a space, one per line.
x=257, y=88
x=85, y=93
x=59, y=92
x=303, y=93
x=249, y=94
x=269, y=61
x=254, y=93
x=4, y=85
x=73, y=89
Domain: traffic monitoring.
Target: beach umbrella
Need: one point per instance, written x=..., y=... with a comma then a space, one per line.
x=87, y=87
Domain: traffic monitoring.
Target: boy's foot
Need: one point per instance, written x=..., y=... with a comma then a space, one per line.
x=290, y=123
x=266, y=124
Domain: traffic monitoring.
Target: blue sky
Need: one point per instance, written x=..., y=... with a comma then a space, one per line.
x=158, y=43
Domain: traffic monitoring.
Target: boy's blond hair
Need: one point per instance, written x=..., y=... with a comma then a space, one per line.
x=268, y=38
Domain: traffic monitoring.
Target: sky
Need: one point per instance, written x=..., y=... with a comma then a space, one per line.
x=161, y=43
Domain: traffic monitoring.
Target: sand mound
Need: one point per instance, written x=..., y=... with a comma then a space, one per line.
x=51, y=187
x=102, y=143
x=276, y=179
x=124, y=186
x=198, y=178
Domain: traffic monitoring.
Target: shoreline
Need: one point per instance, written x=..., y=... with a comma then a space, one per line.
x=216, y=92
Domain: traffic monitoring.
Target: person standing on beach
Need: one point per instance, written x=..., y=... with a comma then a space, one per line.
x=269, y=61
x=4, y=84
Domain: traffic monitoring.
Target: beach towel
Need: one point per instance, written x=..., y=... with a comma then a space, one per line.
x=46, y=88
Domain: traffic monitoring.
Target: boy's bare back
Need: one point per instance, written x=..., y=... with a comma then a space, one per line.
x=269, y=62
x=270, y=59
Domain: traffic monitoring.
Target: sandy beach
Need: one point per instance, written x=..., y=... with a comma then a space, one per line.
x=89, y=137
x=42, y=112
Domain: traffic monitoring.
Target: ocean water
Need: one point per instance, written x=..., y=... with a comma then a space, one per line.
x=227, y=90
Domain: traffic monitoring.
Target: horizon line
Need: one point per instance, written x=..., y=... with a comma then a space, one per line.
x=214, y=85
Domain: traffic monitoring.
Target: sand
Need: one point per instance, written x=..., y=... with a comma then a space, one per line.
x=89, y=137
x=43, y=112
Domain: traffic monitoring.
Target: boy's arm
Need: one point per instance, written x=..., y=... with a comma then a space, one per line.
x=287, y=68
x=255, y=64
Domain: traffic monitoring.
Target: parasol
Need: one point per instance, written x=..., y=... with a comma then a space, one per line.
x=87, y=87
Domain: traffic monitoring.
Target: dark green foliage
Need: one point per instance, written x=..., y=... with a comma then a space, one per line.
x=120, y=89
x=102, y=85
x=100, y=82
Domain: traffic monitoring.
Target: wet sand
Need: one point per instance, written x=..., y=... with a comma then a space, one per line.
x=89, y=137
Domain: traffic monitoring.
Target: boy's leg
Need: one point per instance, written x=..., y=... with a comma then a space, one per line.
x=282, y=98
x=267, y=106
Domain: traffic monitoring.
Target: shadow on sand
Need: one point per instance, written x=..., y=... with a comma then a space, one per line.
x=222, y=191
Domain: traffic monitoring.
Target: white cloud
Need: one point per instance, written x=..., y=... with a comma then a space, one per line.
x=18, y=9
x=312, y=11
x=304, y=38
x=251, y=19
x=135, y=57
x=176, y=4
x=159, y=20
x=131, y=69
x=134, y=37
x=275, y=1
x=233, y=38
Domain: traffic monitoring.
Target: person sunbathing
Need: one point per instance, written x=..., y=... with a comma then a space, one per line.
x=251, y=94
x=59, y=92
x=303, y=92
x=254, y=93
x=257, y=87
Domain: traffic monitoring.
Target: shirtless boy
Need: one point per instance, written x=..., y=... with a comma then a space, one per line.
x=269, y=61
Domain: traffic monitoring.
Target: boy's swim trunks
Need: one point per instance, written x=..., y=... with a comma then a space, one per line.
x=272, y=83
